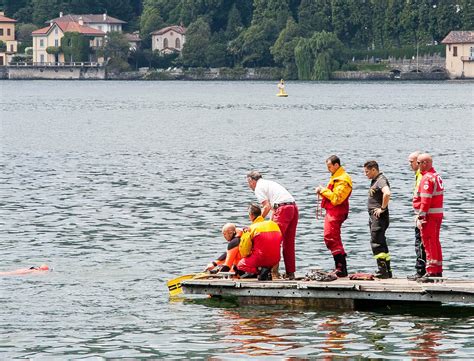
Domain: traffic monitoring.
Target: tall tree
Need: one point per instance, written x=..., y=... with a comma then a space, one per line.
x=409, y=20
x=234, y=23
x=378, y=22
x=10, y=7
x=467, y=14
x=196, y=46
x=392, y=22
x=304, y=59
x=314, y=15
x=276, y=10
x=120, y=9
x=448, y=18
x=327, y=49
x=283, y=50
x=150, y=20
x=252, y=46
x=361, y=24
x=44, y=10
x=341, y=13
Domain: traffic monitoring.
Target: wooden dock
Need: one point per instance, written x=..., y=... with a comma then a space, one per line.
x=342, y=293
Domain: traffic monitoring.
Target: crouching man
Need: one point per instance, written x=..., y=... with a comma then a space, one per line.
x=266, y=238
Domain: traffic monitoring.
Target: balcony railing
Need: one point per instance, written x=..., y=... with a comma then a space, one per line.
x=84, y=64
x=467, y=58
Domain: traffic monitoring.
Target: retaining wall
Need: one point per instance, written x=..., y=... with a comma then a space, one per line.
x=57, y=73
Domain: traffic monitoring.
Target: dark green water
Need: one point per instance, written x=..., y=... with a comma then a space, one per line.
x=120, y=186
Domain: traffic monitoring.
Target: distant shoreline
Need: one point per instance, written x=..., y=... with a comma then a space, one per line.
x=201, y=74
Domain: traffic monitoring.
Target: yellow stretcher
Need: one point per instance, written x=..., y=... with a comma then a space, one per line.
x=174, y=285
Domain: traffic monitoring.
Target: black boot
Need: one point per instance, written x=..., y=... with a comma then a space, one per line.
x=417, y=275
x=248, y=275
x=265, y=274
x=384, y=270
x=341, y=265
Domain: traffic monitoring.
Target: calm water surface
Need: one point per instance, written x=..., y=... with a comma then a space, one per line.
x=120, y=186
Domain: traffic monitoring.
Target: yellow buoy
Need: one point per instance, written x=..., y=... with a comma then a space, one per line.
x=281, y=89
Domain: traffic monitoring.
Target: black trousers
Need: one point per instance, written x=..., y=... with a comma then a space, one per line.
x=420, y=254
x=378, y=226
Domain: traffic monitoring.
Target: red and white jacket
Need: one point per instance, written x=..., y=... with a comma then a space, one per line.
x=429, y=196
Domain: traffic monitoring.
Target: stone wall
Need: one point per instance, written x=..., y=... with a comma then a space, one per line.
x=361, y=75
x=386, y=75
x=3, y=72
x=57, y=73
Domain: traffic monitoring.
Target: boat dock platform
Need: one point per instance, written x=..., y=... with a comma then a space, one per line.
x=341, y=293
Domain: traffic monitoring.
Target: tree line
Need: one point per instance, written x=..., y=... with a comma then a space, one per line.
x=307, y=37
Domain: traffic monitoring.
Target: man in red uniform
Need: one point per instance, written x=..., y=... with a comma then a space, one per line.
x=335, y=199
x=273, y=196
x=266, y=242
x=428, y=203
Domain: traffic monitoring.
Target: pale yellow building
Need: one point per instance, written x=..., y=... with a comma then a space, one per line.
x=168, y=40
x=7, y=36
x=51, y=36
x=460, y=54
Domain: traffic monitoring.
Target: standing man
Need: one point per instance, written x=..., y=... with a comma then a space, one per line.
x=273, y=196
x=335, y=199
x=419, y=249
x=379, y=196
x=429, y=205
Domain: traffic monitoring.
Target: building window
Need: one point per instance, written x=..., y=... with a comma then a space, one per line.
x=471, y=55
x=455, y=51
x=177, y=43
x=56, y=43
x=165, y=43
x=41, y=43
x=12, y=48
x=42, y=58
x=9, y=32
x=1, y=32
x=56, y=30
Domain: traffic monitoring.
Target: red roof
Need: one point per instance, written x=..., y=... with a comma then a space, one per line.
x=176, y=28
x=4, y=19
x=459, y=37
x=70, y=26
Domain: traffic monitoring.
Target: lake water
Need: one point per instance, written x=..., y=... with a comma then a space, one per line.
x=120, y=186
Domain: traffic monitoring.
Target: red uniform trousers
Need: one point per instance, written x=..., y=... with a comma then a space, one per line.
x=430, y=239
x=265, y=253
x=286, y=217
x=332, y=231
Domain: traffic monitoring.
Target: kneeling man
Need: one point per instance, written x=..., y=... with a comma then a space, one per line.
x=266, y=241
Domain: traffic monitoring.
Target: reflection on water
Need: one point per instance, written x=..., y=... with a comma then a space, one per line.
x=335, y=337
x=121, y=186
x=256, y=334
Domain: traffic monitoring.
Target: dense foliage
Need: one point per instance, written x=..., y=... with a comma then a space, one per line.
x=282, y=33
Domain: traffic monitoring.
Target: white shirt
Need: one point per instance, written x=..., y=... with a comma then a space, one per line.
x=272, y=192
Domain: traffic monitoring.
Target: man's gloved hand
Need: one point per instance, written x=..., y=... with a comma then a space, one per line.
x=210, y=266
x=216, y=270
